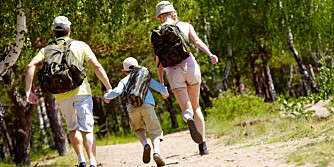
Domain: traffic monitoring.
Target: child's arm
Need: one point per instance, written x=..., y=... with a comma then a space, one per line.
x=160, y=88
x=116, y=91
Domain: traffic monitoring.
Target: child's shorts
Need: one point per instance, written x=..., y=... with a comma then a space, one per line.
x=144, y=119
x=182, y=76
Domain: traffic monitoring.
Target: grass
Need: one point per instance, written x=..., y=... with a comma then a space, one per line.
x=272, y=129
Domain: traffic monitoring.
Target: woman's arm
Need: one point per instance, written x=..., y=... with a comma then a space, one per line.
x=198, y=42
x=160, y=70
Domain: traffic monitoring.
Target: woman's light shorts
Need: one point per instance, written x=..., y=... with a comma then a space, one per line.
x=182, y=76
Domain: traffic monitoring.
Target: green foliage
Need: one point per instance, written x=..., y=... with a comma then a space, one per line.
x=297, y=108
x=325, y=87
x=229, y=106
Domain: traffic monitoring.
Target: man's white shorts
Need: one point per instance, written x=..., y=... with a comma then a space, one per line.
x=78, y=112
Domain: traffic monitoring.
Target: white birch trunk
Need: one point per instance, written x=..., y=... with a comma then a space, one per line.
x=14, y=53
x=290, y=80
x=41, y=124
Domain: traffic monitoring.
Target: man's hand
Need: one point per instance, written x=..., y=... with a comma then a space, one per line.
x=31, y=98
x=104, y=99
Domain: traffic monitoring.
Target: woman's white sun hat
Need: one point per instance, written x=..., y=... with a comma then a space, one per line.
x=164, y=7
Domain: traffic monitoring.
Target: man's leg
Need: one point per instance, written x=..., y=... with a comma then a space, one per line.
x=67, y=109
x=84, y=109
x=76, y=141
x=90, y=146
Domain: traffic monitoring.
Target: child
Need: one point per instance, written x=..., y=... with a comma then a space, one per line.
x=143, y=118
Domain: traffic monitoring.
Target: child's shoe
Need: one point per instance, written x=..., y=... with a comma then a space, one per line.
x=147, y=154
x=157, y=158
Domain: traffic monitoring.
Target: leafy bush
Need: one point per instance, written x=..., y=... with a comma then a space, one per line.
x=229, y=106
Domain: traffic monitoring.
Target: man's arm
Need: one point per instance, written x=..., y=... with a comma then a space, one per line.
x=99, y=71
x=101, y=74
x=30, y=71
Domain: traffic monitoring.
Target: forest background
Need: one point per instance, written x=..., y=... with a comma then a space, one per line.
x=270, y=51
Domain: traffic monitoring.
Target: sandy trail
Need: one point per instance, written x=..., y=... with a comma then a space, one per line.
x=178, y=149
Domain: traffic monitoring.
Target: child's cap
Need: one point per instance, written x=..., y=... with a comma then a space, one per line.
x=130, y=61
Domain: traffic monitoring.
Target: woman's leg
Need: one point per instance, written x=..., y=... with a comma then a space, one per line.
x=182, y=98
x=187, y=115
x=194, y=100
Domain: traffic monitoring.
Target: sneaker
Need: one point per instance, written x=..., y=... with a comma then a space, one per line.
x=194, y=132
x=82, y=164
x=147, y=154
x=157, y=158
x=202, y=149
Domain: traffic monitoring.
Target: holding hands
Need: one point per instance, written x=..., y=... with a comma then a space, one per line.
x=106, y=100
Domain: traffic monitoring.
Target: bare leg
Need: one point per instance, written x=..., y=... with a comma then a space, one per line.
x=198, y=116
x=90, y=144
x=76, y=140
x=182, y=98
x=142, y=138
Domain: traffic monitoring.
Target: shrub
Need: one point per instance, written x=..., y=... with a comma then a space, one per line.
x=229, y=106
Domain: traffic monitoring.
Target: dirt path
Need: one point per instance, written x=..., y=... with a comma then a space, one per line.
x=179, y=150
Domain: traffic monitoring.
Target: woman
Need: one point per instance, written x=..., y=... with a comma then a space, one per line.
x=185, y=77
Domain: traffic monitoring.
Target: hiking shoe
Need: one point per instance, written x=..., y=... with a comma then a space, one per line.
x=147, y=154
x=82, y=164
x=157, y=158
x=194, y=132
x=202, y=149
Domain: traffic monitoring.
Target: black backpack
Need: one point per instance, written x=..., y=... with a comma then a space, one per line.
x=170, y=44
x=61, y=71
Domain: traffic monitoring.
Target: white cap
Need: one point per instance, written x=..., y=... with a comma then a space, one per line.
x=164, y=7
x=130, y=61
x=61, y=23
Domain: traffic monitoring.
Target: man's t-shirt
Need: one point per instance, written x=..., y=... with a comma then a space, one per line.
x=82, y=52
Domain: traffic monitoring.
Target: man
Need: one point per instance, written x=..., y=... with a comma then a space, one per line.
x=76, y=105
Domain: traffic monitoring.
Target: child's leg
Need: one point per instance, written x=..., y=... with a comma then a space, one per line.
x=152, y=125
x=155, y=144
x=154, y=130
x=142, y=138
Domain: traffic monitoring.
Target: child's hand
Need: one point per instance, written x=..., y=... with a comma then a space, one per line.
x=106, y=100
x=165, y=97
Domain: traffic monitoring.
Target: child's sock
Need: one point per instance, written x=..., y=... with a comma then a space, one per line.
x=92, y=162
x=156, y=150
x=81, y=158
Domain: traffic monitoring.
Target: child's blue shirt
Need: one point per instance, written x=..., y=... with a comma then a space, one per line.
x=149, y=97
